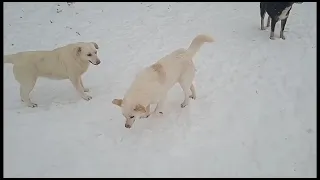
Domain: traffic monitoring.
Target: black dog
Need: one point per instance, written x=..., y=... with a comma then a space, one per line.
x=276, y=11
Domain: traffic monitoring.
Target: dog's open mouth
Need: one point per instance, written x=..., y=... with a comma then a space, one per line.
x=94, y=63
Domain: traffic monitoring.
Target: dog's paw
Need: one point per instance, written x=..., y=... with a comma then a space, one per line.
x=263, y=28
x=32, y=105
x=87, y=97
x=145, y=116
x=183, y=105
x=193, y=97
x=86, y=89
x=272, y=37
x=283, y=37
x=160, y=112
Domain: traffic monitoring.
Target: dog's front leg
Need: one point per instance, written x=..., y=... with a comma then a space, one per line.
x=84, y=89
x=147, y=112
x=159, y=108
x=76, y=83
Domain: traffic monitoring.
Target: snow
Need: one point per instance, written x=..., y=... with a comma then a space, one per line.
x=254, y=116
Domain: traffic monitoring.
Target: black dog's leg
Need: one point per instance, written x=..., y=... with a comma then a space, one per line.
x=262, y=14
x=283, y=24
x=268, y=22
x=273, y=24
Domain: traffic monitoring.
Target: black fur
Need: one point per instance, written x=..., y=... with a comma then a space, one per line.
x=274, y=10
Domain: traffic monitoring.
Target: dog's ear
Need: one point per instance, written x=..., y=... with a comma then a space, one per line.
x=78, y=51
x=95, y=45
x=140, y=108
x=117, y=102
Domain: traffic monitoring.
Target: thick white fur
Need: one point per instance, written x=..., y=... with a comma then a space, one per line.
x=67, y=62
x=152, y=83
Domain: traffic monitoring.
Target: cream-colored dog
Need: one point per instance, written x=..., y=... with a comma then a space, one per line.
x=67, y=62
x=152, y=84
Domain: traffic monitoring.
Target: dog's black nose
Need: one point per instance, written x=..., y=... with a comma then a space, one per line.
x=98, y=62
x=127, y=126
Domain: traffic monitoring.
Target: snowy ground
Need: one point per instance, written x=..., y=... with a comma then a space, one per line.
x=255, y=115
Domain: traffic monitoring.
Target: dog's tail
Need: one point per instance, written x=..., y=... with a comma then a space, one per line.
x=10, y=58
x=196, y=44
x=20, y=58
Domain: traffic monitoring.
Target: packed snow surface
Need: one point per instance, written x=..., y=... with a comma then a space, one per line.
x=254, y=116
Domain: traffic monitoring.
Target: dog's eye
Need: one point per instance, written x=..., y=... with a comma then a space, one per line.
x=89, y=54
x=131, y=117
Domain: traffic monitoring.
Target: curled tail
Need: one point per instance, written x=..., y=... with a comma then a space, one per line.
x=196, y=44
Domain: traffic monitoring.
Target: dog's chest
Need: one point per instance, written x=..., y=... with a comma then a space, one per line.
x=83, y=68
x=284, y=14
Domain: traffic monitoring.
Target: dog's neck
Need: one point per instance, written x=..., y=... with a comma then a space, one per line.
x=84, y=65
x=132, y=103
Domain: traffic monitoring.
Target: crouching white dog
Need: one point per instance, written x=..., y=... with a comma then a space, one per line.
x=67, y=62
x=152, y=84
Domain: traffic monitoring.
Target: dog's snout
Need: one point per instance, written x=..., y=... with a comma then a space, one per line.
x=127, y=125
x=98, y=61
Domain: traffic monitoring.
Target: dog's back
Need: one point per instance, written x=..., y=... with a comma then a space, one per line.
x=161, y=76
x=275, y=9
x=26, y=57
x=30, y=57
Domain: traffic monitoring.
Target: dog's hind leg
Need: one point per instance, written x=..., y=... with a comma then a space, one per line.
x=186, y=85
x=24, y=94
x=268, y=22
x=27, y=82
x=193, y=91
x=283, y=24
x=262, y=14
x=273, y=25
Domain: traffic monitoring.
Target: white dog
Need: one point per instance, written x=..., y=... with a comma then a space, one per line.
x=152, y=84
x=67, y=62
